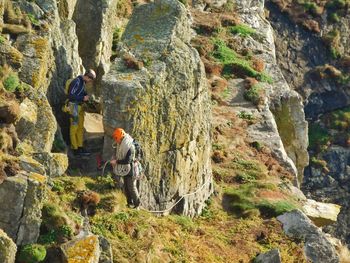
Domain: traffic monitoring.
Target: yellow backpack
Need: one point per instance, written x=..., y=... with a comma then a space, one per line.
x=65, y=107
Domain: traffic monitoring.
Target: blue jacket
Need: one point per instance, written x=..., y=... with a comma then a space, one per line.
x=77, y=90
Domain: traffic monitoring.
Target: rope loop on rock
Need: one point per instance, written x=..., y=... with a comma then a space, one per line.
x=173, y=205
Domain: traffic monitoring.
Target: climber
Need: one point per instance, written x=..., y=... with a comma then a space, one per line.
x=123, y=165
x=77, y=95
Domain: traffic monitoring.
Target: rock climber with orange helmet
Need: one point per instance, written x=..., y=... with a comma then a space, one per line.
x=123, y=162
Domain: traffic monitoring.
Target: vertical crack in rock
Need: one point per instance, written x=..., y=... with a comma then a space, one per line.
x=95, y=22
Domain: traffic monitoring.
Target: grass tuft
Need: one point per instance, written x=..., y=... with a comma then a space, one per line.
x=243, y=30
x=234, y=64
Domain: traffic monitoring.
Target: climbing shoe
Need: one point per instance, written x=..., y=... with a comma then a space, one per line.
x=81, y=151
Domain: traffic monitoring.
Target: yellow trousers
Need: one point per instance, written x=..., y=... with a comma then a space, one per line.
x=76, y=130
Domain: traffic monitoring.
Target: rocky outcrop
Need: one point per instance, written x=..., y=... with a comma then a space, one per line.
x=165, y=105
x=332, y=186
x=83, y=249
x=55, y=164
x=8, y=248
x=21, y=218
x=96, y=21
x=299, y=52
x=36, y=118
x=272, y=256
x=317, y=247
x=106, y=251
x=285, y=104
x=321, y=214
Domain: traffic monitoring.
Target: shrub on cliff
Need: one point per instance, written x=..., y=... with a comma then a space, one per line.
x=318, y=137
x=255, y=94
x=32, y=253
x=236, y=64
x=243, y=30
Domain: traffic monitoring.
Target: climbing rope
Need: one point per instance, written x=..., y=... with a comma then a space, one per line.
x=173, y=205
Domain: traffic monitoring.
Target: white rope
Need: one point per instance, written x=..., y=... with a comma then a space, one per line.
x=172, y=206
x=104, y=167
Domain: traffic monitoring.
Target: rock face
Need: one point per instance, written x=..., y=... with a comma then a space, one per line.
x=317, y=247
x=106, y=251
x=165, y=106
x=299, y=51
x=273, y=256
x=55, y=164
x=285, y=104
x=82, y=250
x=36, y=118
x=7, y=248
x=96, y=21
x=332, y=186
x=21, y=218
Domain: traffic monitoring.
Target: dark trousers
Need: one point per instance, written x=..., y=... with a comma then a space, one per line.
x=130, y=190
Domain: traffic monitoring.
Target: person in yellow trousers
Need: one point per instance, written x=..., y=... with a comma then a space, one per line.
x=77, y=95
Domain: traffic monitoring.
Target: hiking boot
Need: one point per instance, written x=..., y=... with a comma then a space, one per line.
x=75, y=152
x=83, y=152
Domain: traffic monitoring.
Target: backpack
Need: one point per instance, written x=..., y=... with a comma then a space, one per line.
x=65, y=107
x=138, y=151
x=66, y=87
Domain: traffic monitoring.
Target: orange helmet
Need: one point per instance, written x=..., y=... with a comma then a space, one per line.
x=118, y=134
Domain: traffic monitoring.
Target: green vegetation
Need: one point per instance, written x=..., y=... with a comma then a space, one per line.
x=332, y=39
x=2, y=39
x=340, y=119
x=244, y=201
x=255, y=94
x=216, y=146
x=175, y=238
x=337, y=4
x=269, y=208
x=11, y=82
x=185, y=222
x=318, y=137
x=56, y=224
x=229, y=6
x=333, y=17
x=245, y=115
x=318, y=163
x=58, y=145
x=32, y=253
x=117, y=34
x=335, y=53
x=234, y=64
x=310, y=6
x=183, y=2
x=257, y=145
x=248, y=170
x=33, y=20
x=243, y=30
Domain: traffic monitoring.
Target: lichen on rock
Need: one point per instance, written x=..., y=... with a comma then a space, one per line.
x=165, y=105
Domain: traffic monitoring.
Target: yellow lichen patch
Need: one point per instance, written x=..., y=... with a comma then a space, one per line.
x=25, y=147
x=83, y=251
x=37, y=177
x=41, y=46
x=127, y=77
x=138, y=38
x=15, y=55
